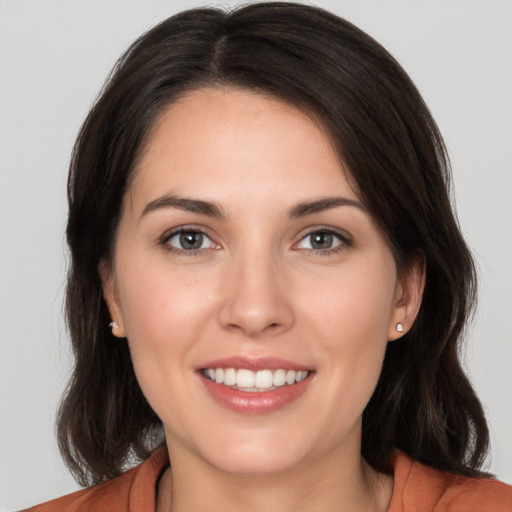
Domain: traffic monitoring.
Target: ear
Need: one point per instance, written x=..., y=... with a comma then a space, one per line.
x=112, y=299
x=407, y=299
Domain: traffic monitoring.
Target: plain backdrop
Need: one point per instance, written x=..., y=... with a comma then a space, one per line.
x=54, y=57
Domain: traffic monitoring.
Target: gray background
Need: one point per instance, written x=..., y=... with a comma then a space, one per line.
x=54, y=56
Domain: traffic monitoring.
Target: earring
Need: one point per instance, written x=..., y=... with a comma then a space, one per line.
x=399, y=327
x=112, y=325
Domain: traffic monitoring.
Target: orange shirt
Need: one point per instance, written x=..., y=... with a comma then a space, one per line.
x=416, y=488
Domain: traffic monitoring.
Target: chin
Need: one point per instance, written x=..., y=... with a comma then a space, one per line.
x=265, y=456
x=256, y=465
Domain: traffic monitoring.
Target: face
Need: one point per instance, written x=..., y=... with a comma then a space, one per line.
x=256, y=293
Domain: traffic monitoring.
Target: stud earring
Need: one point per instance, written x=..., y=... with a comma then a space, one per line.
x=399, y=327
x=112, y=325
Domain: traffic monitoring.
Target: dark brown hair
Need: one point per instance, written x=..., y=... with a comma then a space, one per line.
x=386, y=137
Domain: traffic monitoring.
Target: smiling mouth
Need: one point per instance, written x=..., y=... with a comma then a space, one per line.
x=254, y=381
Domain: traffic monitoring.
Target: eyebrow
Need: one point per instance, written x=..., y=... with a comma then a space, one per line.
x=310, y=207
x=187, y=204
x=212, y=209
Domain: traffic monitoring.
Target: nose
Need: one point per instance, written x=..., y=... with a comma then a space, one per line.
x=256, y=297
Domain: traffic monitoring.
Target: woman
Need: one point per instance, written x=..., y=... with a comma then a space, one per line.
x=259, y=210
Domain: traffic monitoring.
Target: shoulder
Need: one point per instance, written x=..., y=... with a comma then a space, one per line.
x=420, y=488
x=133, y=490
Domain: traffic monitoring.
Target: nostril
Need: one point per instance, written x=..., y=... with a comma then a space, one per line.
x=272, y=326
x=254, y=312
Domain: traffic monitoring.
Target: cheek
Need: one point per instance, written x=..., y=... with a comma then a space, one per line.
x=353, y=305
x=349, y=317
x=165, y=311
x=159, y=302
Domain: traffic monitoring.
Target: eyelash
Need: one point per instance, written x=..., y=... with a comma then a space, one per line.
x=344, y=238
x=164, y=241
x=345, y=241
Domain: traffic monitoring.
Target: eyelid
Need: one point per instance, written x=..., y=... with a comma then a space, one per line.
x=344, y=236
x=167, y=235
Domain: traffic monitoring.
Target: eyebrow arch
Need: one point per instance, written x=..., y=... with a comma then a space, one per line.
x=187, y=204
x=310, y=207
x=211, y=209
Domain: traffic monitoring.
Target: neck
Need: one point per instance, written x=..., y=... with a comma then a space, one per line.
x=330, y=484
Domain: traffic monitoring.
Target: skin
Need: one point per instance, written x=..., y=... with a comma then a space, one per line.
x=256, y=288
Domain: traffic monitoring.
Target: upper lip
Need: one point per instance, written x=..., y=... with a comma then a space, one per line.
x=254, y=363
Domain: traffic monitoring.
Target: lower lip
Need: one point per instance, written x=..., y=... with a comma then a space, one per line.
x=255, y=402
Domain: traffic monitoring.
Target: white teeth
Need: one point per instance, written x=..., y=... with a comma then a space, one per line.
x=230, y=377
x=254, y=381
x=301, y=376
x=279, y=378
x=245, y=379
x=263, y=379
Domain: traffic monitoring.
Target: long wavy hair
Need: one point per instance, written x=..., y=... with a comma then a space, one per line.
x=385, y=136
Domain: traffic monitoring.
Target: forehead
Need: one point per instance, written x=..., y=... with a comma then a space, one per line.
x=213, y=140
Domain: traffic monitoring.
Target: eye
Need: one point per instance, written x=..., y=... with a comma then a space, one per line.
x=189, y=240
x=322, y=240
